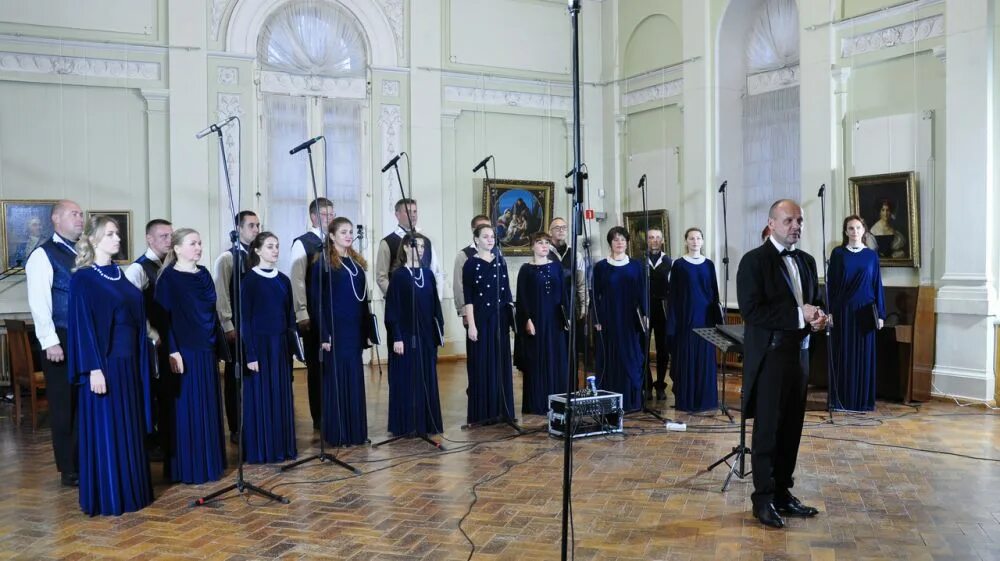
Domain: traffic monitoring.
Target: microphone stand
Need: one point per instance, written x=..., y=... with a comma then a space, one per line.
x=241, y=485
x=327, y=273
x=831, y=379
x=368, y=303
x=504, y=416
x=414, y=433
x=647, y=389
x=725, y=294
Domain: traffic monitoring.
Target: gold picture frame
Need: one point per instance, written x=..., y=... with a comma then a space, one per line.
x=635, y=224
x=517, y=209
x=26, y=224
x=888, y=204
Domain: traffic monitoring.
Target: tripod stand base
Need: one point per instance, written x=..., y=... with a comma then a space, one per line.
x=724, y=409
x=323, y=457
x=512, y=423
x=423, y=437
x=738, y=454
x=243, y=487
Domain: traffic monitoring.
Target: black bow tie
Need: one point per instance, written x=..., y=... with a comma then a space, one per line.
x=793, y=253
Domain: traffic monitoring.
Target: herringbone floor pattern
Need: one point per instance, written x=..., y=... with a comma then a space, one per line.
x=638, y=496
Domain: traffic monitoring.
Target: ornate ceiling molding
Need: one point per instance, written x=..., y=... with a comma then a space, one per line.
x=902, y=34
x=294, y=84
x=79, y=66
x=480, y=96
x=652, y=93
x=773, y=80
x=393, y=10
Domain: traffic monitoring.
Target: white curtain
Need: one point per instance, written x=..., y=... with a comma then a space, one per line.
x=313, y=38
x=287, y=182
x=771, y=162
x=342, y=128
x=774, y=38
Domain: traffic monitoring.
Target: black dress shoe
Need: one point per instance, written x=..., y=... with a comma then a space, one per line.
x=70, y=480
x=790, y=506
x=661, y=395
x=768, y=516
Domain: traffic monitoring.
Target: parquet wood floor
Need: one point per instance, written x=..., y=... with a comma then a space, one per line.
x=636, y=497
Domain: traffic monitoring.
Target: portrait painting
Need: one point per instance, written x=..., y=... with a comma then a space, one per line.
x=888, y=204
x=26, y=225
x=636, y=225
x=124, y=220
x=517, y=210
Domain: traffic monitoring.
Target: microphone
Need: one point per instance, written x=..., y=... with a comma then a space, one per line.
x=722, y=188
x=361, y=232
x=481, y=164
x=215, y=127
x=642, y=181
x=391, y=163
x=821, y=189
x=305, y=144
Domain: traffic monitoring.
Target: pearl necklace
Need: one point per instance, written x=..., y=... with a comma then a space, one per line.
x=100, y=272
x=417, y=280
x=346, y=260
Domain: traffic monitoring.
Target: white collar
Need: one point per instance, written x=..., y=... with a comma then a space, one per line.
x=778, y=246
x=59, y=240
x=317, y=231
x=618, y=263
x=151, y=255
x=266, y=273
x=400, y=231
x=695, y=260
x=658, y=259
x=853, y=249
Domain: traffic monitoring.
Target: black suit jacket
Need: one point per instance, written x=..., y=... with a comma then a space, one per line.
x=769, y=310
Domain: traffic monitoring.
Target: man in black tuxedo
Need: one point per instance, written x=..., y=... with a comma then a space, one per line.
x=779, y=298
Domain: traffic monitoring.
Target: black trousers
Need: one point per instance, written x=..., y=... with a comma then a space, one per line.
x=230, y=393
x=62, y=398
x=314, y=374
x=777, y=427
x=658, y=331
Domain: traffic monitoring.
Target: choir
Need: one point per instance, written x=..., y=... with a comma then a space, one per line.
x=138, y=349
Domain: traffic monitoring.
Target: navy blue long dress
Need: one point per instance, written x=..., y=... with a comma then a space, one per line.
x=197, y=447
x=107, y=332
x=618, y=301
x=340, y=296
x=414, y=403
x=855, y=286
x=267, y=325
x=694, y=303
x=491, y=386
x=540, y=298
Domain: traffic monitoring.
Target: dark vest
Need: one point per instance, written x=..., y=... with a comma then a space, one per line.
x=313, y=245
x=243, y=260
x=469, y=252
x=393, y=241
x=62, y=259
x=569, y=282
x=658, y=282
x=154, y=312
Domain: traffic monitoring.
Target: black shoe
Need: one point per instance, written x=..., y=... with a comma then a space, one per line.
x=768, y=516
x=790, y=506
x=70, y=480
x=661, y=395
x=234, y=438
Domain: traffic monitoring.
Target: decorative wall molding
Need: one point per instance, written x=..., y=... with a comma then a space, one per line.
x=902, y=34
x=393, y=10
x=480, y=96
x=390, y=124
x=652, y=93
x=229, y=105
x=773, y=80
x=229, y=76
x=294, y=84
x=79, y=66
x=218, y=10
x=904, y=10
x=156, y=99
x=390, y=88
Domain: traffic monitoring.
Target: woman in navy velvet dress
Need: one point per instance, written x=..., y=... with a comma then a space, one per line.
x=339, y=296
x=109, y=360
x=620, y=305
x=415, y=325
x=693, y=303
x=186, y=292
x=487, y=309
x=544, y=338
x=857, y=305
x=268, y=329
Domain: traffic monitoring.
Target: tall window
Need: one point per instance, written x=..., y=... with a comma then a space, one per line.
x=313, y=66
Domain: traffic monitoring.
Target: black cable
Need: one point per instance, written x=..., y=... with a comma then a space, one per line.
x=902, y=447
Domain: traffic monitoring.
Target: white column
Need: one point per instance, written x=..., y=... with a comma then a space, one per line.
x=697, y=191
x=966, y=300
x=157, y=138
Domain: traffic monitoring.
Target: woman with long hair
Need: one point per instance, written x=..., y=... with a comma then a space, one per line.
x=416, y=329
x=186, y=292
x=622, y=318
x=339, y=298
x=542, y=322
x=857, y=305
x=694, y=303
x=487, y=308
x=109, y=361
x=268, y=330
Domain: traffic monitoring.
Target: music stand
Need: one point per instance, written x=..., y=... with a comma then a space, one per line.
x=729, y=338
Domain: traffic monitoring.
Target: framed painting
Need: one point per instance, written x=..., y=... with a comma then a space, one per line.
x=888, y=204
x=517, y=210
x=124, y=220
x=635, y=223
x=26, y=225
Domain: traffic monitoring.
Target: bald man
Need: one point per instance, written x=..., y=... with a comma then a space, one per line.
x=48, y=271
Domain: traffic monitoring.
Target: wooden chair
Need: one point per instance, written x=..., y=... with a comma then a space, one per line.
x=22, y=371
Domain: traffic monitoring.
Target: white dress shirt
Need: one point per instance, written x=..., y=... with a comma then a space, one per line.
x=137, y=275
x=793, y=272
x=300, y=264
x=38, y=271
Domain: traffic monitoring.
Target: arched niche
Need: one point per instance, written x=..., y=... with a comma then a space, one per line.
x=654, y=43
x=249, y=16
